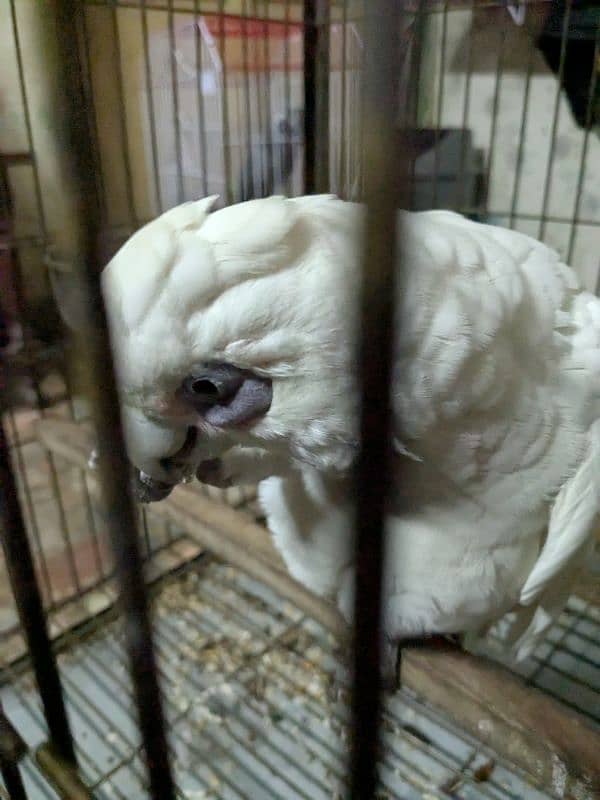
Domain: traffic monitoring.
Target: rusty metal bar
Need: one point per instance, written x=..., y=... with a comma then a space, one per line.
x=382, y=168
x=61, y=775
x=316, y=96
x=21, y=571
x=114, y=468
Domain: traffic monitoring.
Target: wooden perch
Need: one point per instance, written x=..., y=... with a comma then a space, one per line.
x=528, y=728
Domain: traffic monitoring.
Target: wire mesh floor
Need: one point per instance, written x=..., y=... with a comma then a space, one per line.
x=567, y=664
x=257, y=704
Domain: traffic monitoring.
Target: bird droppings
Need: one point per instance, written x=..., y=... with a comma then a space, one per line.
x=559, y=776
x=484, y=772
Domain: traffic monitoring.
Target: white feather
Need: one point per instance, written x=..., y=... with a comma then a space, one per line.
x=496, y=391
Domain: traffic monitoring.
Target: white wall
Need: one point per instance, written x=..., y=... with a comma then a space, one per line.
x=486, y=31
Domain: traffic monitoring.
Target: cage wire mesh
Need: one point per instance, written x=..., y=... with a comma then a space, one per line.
x=192, y=98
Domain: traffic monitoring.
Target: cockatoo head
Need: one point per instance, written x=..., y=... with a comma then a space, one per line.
x=237, y=328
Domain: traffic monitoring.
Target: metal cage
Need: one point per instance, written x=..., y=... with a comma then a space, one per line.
x=228, y=679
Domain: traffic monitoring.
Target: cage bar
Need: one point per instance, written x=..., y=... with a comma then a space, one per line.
x=382, y=169
x=114, y=468
x=19, y=560
x=316, y=96
x=12, y=750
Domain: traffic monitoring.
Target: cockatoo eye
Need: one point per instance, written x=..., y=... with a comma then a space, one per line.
x=201, y=387
x=213, y=384
x=225, y=395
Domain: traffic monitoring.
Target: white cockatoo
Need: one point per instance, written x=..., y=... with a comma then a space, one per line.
x=235, y=337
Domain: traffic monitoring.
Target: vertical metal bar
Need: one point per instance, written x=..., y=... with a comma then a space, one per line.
x=556, y=113
x=267, y=94
x=316, y=96
x=20, y=461
x=89, y=509
x=133, y=218
x=522, y=131
x=30, y=505
x=225, y=107
x=343, y=152
x=27, y=119
x=414, y=97
x=495, y=105
x=63, y=523
x=260, y=117
x=114, y=468
x=175, y=92
x=151, y=107
x=241, y=188
x=13, y=781
x=287, y=89
x=200, y=98
x=145, y=533
x=57, y=494
x=85, y=38
x=459, y=198
x=382, y=166
x=12, y=750
x=249, y=189
x=19, y=562
x=440, y=106
x=360, y=124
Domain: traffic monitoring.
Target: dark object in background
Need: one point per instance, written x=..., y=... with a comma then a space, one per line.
x=40, y=318
x=581, y=72
x=448, y=170
x=270, y=164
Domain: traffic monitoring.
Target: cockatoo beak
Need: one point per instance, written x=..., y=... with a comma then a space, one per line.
x=164, y=456
x=150, y=445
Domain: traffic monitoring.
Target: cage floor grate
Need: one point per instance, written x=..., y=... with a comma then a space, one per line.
x=257, y=708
